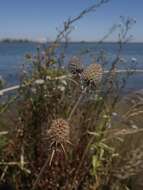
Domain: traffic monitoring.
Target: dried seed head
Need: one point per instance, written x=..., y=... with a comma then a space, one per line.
x=93, y=73
x=59, y=132
x=75, y=65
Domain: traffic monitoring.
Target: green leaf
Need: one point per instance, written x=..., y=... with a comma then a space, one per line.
x=106, y=147
x=95, y=164
x=93, y=133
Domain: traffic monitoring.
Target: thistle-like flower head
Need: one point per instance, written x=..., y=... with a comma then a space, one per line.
x=93, y=73
x=59, y=132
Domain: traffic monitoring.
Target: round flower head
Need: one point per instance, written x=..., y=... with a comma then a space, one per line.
x=58, y=136
x=93, y=73
x=75, y=65
x=59, y=132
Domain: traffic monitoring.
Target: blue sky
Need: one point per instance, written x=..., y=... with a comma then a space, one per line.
x=38, y=19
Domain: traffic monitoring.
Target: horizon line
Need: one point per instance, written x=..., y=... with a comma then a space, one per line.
x=9, y=39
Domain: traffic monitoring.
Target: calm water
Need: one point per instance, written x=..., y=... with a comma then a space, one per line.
x=12, y=58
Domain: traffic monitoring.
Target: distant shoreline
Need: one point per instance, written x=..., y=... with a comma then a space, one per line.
x=17, y=41
x=9, y=40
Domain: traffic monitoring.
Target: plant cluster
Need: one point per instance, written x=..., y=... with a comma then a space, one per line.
x=62, y=137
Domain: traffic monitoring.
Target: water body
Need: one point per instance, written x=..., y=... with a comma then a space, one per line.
x=12, y=58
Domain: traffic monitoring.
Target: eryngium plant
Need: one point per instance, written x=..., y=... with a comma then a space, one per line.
x=60, y=138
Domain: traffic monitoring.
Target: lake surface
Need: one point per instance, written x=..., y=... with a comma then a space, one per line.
x=12, y=58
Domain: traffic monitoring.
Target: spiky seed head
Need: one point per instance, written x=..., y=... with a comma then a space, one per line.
x=93, y=73
x=75, y=65
x=59, y=132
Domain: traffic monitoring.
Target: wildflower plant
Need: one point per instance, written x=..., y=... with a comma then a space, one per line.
x=64, y=117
